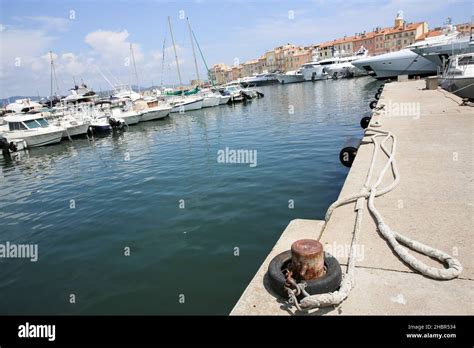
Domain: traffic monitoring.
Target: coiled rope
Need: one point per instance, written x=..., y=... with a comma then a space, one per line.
x=394, y=238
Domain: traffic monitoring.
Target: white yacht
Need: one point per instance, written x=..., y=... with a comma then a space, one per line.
x=210, y=99
x=22, y=105
x=438, y=49
x=125, y=91
x=122, y=109
x=234, y=92
x=314, y=71
x=186, y=103
x=393, y=64
x=223, y=99
x=458, y=77
x=264, y=78
x=291, y=77
x=152, y=109
x=74, y=125
x=32, y=129
x=343, y=67
x=79, y=94
x=407, y=61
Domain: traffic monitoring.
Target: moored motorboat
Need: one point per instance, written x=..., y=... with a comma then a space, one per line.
x=458, y=77
x=186, y=103
x=343, y=67
x=313, y=71
x=291, y=77
x=34, y=129
x=262, y=79
x=122, y=109
x=210, y=100
x=224, y=99
x=153, y=109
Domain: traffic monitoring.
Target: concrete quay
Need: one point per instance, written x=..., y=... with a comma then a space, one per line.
x=433, y=204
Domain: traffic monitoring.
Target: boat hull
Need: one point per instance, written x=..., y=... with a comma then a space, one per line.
x=75, y=131
x=224, y=99
x=100, y=128
x=461, y=86
x=210, y=101
x=37, y=140
x=314, y=73
x=260, y=82
x=391, y=65
x=285, y=79
x=155, y=114
x=188, y=106
x=131, y=119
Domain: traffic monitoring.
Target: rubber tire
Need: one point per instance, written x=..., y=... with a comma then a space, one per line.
x=380, y=90
x=373, y=104
x=365, y=121
x=328, y=283
x=377, y=95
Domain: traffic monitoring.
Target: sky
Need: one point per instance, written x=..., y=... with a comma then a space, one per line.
x=90, y=40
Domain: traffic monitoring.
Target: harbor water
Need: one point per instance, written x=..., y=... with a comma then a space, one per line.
x=197, y=229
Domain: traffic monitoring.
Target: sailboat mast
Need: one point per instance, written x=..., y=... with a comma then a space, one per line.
x=51, y=94
x=194, y=52
x=163, y=63
x=202, y=56
x=134, y=66
x=174, y=49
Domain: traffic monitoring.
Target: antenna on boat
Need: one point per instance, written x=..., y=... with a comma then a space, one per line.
x=134, y=65
x=194, y=52
x=174, y=49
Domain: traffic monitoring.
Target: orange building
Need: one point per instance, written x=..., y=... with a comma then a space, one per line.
x=366, y=40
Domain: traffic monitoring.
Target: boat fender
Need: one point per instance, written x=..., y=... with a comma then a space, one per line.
x=377, y=95
x=380, y=89
x=12, y=146
x=327, y=283
x=365, y=121
x=4, y=145
x=246, y=96
x=349, y=152
x=373, y=104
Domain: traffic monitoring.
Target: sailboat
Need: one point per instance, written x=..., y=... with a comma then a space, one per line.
x=210, y=98
x=186, y=101
x=61, y=117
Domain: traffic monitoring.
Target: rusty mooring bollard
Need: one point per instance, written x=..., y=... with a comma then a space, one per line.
x=307, y=259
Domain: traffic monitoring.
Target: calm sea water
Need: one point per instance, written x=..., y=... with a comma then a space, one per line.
x=127, y=190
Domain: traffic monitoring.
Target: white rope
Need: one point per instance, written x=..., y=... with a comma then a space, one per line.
x=394, y=238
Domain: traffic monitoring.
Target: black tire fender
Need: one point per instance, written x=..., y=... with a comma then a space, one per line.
x=377, y=95
x=373, y=104
x=365, y=121
x=327, y=283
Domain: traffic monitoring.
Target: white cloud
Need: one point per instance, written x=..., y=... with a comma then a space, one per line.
x=112, y=46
